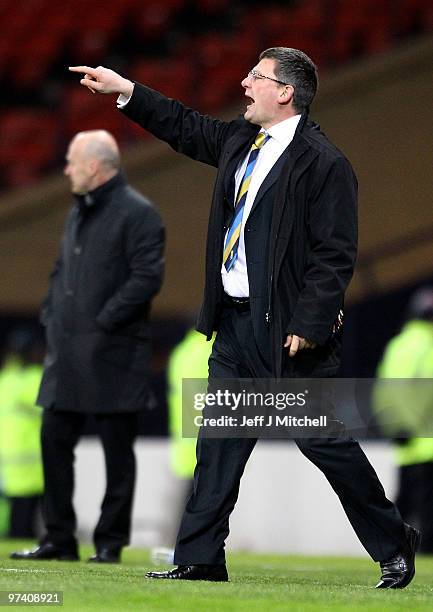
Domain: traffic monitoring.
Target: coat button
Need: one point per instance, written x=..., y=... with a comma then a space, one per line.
x=69, y=292
x=77, y=250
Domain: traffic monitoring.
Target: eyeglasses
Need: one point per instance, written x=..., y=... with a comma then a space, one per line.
x=258, y=75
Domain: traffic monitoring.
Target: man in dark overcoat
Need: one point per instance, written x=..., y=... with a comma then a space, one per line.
x=97, y=325
x=281, y=250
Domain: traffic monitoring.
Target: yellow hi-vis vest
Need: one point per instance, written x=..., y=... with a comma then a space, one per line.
x=21, y=472
x=189, y=359
x=407, y=406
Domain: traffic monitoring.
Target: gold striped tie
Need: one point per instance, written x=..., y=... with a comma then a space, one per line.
x=231, y=244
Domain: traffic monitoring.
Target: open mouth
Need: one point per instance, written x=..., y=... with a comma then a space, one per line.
x=250, y=103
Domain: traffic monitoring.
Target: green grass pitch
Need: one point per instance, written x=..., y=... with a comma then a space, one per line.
x=257, y=582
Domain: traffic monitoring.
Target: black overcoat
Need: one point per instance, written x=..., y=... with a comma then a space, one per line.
x=300, y=237
x=96, y=312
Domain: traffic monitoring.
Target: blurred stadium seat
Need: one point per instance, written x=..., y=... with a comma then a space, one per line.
x=27, y=142
x=81, y=111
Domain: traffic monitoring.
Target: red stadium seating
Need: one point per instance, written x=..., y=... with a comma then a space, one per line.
x=152, y=18
x=83, y=111
x=27, y=142
x=174, y=77
x=202, y=65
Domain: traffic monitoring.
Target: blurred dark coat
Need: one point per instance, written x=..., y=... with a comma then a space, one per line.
x=96, y=313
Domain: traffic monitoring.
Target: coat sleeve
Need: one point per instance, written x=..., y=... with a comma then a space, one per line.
x=187, y=131
x=47, y=304
x=144, y=239
x=332, y=230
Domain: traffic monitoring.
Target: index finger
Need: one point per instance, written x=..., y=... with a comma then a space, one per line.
x=83, y=70
x=294, y=346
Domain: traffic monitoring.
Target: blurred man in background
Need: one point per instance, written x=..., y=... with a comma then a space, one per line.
x=280, y=253
x=21, y=474
x=97, y=325
x=404, y=409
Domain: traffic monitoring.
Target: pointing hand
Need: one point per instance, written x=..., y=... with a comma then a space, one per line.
x=103, y=80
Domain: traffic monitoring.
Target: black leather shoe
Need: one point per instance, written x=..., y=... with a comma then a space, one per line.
x=213, y=573
x=44, y=552
x=106, y=555
x=398, y=571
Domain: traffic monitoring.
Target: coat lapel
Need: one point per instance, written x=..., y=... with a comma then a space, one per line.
x=272, y=176
x=299, y=157
x=235, y=155
x=296, y=163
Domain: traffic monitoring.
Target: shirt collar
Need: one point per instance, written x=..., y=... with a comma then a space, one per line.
x=284, y=131
x=90, y=199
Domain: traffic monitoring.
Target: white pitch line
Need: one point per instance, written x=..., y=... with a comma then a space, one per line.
x=34, y=571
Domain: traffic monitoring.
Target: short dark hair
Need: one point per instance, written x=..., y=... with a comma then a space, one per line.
x=294, y=67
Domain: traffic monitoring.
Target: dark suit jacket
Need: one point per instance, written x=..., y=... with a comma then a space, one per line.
x=300, y=236
x=96, y=314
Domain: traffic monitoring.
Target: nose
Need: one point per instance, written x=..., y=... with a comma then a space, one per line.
x=246, y=81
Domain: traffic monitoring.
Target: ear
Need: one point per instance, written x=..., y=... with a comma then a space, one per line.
x=93, y=166
x=286, y=96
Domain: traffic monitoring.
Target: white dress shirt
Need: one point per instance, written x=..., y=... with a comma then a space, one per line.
x=123, y=100
x=235, y=281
